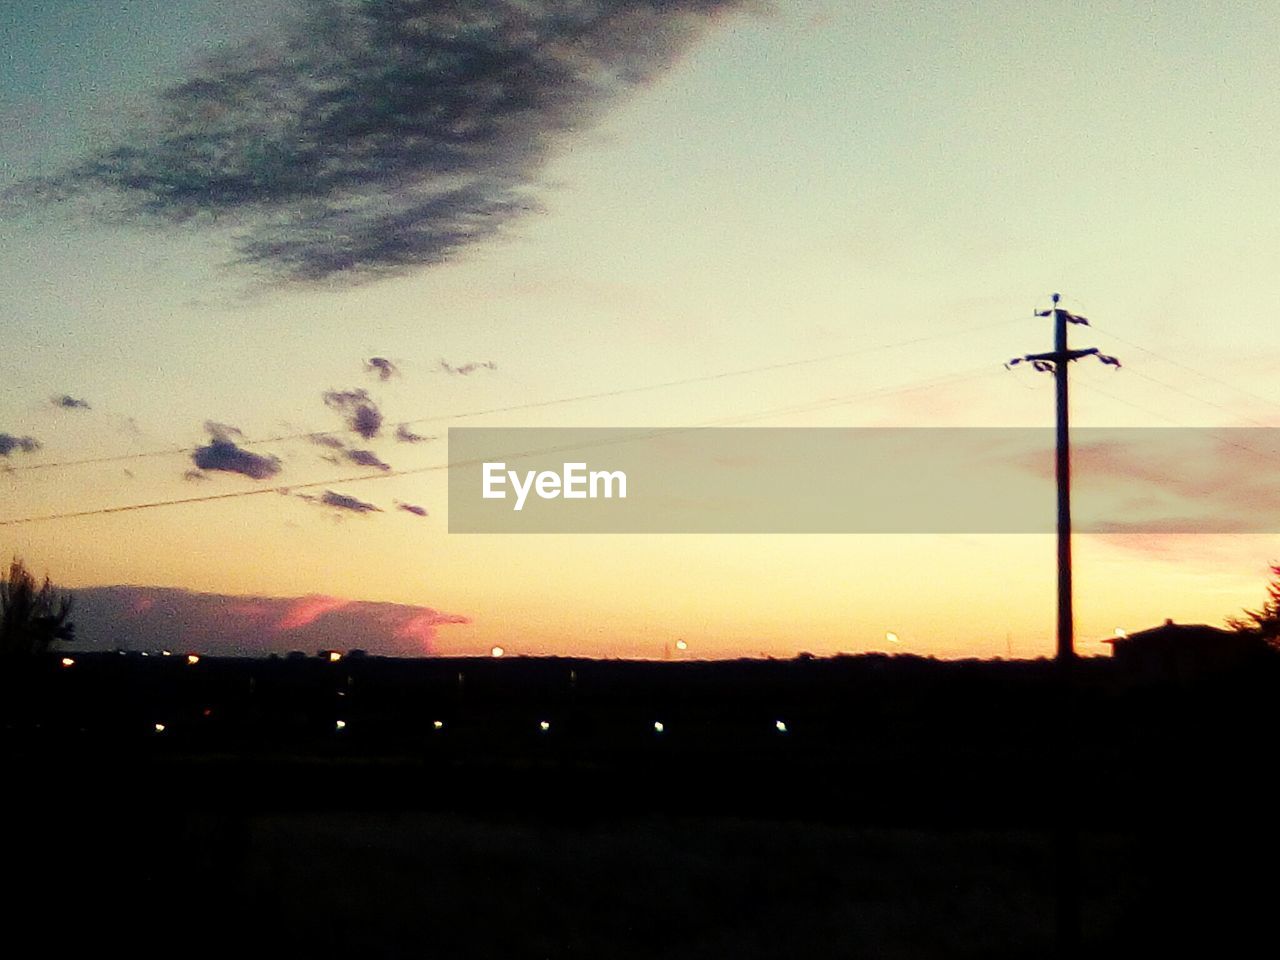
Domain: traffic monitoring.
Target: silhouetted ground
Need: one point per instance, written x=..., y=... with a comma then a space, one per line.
x=904, y=812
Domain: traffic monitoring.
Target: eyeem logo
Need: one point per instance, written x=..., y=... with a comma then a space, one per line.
x=573, y=482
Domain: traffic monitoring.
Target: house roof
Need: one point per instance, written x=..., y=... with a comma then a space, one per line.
x=1170, y=632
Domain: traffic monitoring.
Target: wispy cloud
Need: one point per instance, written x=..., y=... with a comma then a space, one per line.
x=365, y=139
x=422, y=625
x=1161, y=482
x=327, y=440
x=466, y=369
x=382, y=368
x=68, y=402
x=367, y=458
x=405, y=435
x=9, y=443
x=361, y=413
x=222, y=453
x=341, y=501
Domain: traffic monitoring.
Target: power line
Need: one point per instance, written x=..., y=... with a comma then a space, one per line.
x=287, y=489
x=1204, y=400
x=1208, y=431
x=536, y=404
x=1190, y=369
x=808, y=406
x=1095, y=388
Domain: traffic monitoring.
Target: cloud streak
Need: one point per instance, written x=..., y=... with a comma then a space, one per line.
x=405, y=435
x=368, y=138
x=327, y=440
x=367, y=458
x=68, y=402
x=340, y=501
x=466, y=369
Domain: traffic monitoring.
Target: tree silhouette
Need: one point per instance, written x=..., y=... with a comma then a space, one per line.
x=31, y=619
x=1265, y=621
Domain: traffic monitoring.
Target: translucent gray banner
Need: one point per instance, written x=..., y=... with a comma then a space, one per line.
x=859, y=480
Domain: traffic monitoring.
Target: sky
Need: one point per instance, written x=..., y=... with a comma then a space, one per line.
x=227, y=226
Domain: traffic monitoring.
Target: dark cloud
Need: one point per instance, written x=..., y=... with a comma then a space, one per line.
x=413, y=508
x=341, y=501
x=382, y=368
x=367, y=138
x=405, y=435
x=466, y=369
x=367, y=458
x=222, y=453
x=362, y=414
x=10, y=443
x=68, y=402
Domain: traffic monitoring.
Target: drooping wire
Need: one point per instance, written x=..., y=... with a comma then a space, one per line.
x=535, y=404
x=287, y=489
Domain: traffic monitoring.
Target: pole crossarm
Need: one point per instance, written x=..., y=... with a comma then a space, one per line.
x=1054, y=356
x=1045, y=362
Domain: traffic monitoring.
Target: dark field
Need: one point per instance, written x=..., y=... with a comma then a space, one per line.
x=908, y=810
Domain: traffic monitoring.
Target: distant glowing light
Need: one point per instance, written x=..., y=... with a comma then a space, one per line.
x=206, y=712
x=892, y=637
x=334, y=656
x=437, y=725
x=682, y=645
x=1121, y=632
x=497, y=652
x=159, y=728
x=544, y=726
x=68, y=662
x=658, y=726
x=780, y=726
x=192, y=659
x=166, y=653
x=340, y=725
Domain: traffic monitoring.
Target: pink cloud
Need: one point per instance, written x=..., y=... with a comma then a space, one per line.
x=1165, y=482
x=305, y=611
x=160, y=618
x=421, y=625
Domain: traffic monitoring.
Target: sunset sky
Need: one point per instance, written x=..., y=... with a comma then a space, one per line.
x=219, y=212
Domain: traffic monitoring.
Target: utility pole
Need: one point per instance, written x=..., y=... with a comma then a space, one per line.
x=1065, y=843
x=1056, y=362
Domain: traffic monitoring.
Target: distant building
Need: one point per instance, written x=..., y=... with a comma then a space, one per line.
x=1183, y=651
